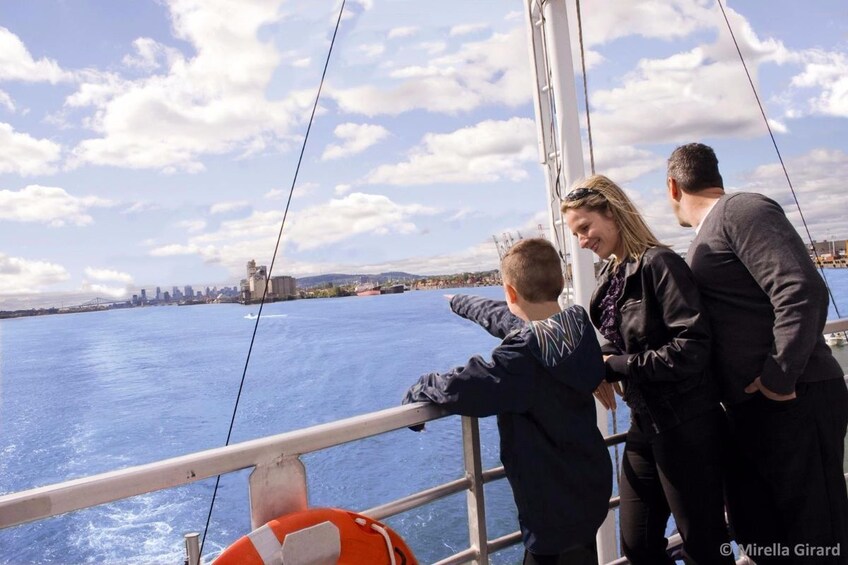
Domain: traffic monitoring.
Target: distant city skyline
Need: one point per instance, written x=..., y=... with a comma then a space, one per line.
x=155, y=142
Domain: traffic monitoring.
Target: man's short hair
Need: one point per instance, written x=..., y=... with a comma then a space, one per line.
x=534, y=269
x=695, y=167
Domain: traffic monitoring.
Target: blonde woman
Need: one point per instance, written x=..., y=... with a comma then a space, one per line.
x=647, y=307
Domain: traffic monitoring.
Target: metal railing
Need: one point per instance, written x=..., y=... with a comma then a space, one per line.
x=277, y=468
x=840, y=325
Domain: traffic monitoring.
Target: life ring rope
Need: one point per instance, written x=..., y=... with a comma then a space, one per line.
x=382, y=531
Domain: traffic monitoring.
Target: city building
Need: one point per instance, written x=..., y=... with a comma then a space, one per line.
x=253, y=288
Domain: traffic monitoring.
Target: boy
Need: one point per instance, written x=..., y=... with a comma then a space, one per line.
x=539, y=383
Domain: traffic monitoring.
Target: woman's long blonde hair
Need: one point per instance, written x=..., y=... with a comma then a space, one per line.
x=606, y=196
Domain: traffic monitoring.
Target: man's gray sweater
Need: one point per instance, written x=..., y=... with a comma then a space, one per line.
x=766, y=302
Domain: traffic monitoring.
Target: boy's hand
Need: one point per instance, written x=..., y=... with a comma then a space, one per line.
x=409, y=398
x=606, y=395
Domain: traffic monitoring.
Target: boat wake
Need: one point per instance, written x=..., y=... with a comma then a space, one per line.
x=253, y=316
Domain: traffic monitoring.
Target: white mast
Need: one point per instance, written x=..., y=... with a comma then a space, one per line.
x=561, y=152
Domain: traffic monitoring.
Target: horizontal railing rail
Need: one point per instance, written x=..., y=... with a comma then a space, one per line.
x=51, y=500
x=840, y=325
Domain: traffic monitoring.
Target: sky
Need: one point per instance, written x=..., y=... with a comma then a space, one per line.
x=154, y=142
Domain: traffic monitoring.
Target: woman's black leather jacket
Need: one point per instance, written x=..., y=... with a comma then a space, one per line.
x=666, y=337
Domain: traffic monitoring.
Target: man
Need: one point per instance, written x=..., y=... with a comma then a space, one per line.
x=783, y=391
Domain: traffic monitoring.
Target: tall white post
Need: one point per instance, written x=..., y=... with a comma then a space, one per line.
x=568, y=127
x=561, y=152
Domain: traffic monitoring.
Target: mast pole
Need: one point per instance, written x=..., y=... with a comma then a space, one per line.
x=561, y=153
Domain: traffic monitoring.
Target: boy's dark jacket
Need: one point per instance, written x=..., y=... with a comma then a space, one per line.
x=539, y=383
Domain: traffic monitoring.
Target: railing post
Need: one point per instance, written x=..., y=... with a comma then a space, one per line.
x=477, y=537
x=276, y=488
x=192, y=549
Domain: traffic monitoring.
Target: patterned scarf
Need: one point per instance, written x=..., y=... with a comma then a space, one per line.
x=610, y=329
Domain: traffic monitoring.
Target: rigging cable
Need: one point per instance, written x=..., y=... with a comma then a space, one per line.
x=780, y=158
x=585, y=88
x=592, y=165
x=273, y=259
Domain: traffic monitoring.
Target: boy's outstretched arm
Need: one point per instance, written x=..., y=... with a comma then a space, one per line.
x=492, y=315
x=479, y=388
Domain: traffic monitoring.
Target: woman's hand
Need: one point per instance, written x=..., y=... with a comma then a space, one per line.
x=606, y=395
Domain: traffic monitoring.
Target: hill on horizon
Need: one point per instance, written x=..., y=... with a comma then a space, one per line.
x=345, y=279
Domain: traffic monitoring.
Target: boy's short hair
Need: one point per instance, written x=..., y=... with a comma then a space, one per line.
x=533, y=268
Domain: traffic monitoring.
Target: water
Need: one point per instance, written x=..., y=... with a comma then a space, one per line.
x=87, y=393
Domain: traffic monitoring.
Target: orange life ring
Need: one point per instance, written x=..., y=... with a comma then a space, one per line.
x=319, y=535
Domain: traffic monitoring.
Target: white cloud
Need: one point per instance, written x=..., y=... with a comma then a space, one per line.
x=25, y=155
x=467, y=29
x=606, y=20
x=150, y=55
x=355, y=214
x=24, y=276
x=829, y=73
x=364, y=4
x=16, y=62
x=302, y=63
x=480, y=257
x=372, y=49
x=300, y=190
x=337, y=220
x=212, y=103
x=433, y=47
x=6, y=101
x=672, y=88
x=101, y=289
x=356, y=139
x=342, y=189
x=402, y=31
x=224, y=207
x=192, y=226
x=47, y=204
x=624, y=163
x=141, y=207
x=174, y=250
x=107, y=275
x=276, y=194
x=485, y=152
x=462, y=214
x=493, y=71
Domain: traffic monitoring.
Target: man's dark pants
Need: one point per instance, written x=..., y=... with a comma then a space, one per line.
x=785, y=481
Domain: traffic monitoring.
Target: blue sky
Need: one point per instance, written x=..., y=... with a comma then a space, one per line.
x=153, y=142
